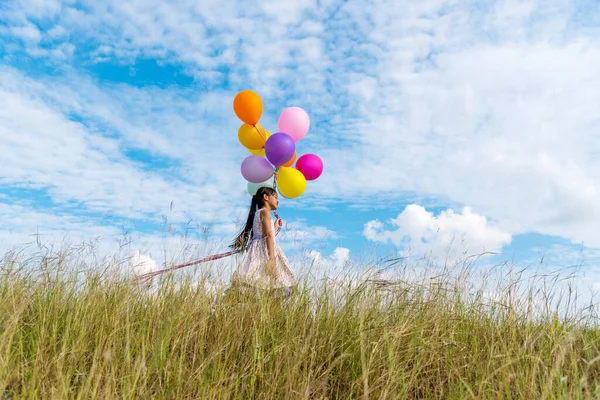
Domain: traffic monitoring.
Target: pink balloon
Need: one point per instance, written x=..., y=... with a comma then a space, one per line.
x=295, y=122
x=256, y=169
x=310, y=165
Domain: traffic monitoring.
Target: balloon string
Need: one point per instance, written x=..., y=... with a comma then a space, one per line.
x=260, y=134
x=213, y=257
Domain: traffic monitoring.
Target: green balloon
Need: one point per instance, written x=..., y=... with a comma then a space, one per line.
x=253, y=187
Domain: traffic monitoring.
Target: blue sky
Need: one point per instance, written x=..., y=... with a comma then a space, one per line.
x=435, y=120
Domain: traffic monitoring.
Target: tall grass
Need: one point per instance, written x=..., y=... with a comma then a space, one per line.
x=68, y=335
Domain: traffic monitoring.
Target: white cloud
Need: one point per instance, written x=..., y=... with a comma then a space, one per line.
x=337, y=259
x=46, y=149
x=298, y=234
x=337, y=269
x=22, y=225
x=505, y=126
x=447, y=237
x=203, y=37
x=57, y=32
x=101, y=243
x=29, y=33
x=142, y=264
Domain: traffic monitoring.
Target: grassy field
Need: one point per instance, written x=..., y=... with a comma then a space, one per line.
x=71, y=336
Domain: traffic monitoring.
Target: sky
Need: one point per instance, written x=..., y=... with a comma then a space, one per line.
x=446, y=128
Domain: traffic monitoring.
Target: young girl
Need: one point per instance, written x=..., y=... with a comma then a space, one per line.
x=264, y=265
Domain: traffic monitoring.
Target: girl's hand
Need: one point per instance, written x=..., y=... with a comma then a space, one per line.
x=278, y=223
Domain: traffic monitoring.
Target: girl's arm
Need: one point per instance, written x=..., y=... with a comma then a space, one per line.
x=265, y=218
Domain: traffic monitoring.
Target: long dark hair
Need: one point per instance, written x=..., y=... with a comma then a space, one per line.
x=258, y=201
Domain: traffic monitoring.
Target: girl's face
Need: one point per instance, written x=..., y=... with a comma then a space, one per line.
x=272, y=200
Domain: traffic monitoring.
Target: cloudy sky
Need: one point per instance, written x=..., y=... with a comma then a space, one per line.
x=445, y=127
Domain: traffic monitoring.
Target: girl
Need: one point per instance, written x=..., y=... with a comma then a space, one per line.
x=264, y=265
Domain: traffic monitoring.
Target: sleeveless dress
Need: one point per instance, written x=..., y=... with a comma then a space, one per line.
x=252, y=271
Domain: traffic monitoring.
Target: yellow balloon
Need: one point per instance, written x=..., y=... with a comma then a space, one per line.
x=260, y=152
x=290, y=182
x=252, y=137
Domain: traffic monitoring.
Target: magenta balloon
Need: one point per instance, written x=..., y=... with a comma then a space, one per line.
x=280, y=148
x=256, y=169
x=310, y=165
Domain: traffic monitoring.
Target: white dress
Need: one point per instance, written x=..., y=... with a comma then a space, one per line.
x=252, y=271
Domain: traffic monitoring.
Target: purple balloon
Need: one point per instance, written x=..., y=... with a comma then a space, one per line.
x=310, y=165
x=280, y=148
x=256, y=169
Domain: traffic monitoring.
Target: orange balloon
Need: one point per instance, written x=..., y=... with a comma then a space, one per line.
x=248, y=106
x=289, y=163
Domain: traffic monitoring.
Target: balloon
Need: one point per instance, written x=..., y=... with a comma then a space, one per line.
x=280, y=148
x=295, y=122
x=253, y=187
x=248, y=106
x=252, y=137
x=290, y=182
x=289, y=163
x=256, y=169
x=259, y=152
x=310, y=165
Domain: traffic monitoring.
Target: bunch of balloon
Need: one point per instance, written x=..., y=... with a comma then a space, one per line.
x=272, y=158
